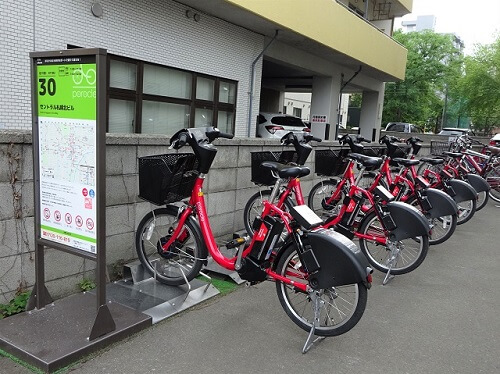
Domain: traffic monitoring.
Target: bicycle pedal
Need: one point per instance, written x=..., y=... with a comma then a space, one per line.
x=235, y=243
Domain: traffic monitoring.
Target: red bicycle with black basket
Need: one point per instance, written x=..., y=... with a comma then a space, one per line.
x=321, y=277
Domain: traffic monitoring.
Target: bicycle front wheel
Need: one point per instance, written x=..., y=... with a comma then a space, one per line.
x=405, y=255
x=341, y=307
x=493, y=179
x=183, y=260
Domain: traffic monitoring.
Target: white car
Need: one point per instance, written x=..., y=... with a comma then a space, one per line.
x=495, y=140
x=276, y=125
x=402, y=127
x=453, y=131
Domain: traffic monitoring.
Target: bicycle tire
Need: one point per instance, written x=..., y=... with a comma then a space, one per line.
x=188, y=254
x=343, y=308
x=253, y=208
x=379, y=254
x=466, y=210
x=482, y=200
x=440, y=234
x=316, y=200
x=493, y=179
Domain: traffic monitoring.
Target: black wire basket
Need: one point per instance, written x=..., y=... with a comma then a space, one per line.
x=330, y=163
x=263, y=176
x=167, y=178
x=438, y=147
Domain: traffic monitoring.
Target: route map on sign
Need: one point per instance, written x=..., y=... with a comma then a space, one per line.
x=67, y=150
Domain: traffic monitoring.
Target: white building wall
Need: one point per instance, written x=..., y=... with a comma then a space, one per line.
x=151, y=30
x=300, y=100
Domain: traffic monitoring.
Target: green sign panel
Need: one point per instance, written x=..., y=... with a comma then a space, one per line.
x=66, y=92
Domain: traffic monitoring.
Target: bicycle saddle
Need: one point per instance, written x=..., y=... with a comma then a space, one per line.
x=452, y=154
x=405, y=161
x=432, y=161
x=366, y=160
x=286, y=171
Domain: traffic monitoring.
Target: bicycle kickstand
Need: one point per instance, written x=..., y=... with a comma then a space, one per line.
x=388, y=275
x=318, y=303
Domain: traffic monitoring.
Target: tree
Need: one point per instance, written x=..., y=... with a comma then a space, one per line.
x=433, y=60
x=480, y=87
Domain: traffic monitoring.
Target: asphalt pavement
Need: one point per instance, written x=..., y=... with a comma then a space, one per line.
x=444, y=317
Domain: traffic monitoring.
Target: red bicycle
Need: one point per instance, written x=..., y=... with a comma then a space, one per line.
x=438, y=207
x=321, y=277
x=393, y=235
x=290, y=190
x=391, y=248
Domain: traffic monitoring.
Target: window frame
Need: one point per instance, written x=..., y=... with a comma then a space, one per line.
x=138, y=96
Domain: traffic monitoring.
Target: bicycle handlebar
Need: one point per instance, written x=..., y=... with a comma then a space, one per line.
x=198, y=135
x=386, y=139
x=413, y=140
x=291, y=137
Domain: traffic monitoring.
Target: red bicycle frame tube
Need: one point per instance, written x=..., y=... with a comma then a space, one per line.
x=197, y=202
x=292, y=186
x=353, y=190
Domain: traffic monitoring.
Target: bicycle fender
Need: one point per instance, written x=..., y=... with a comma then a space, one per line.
x=410, y=222
x=341, y=261
x=479, y=183
x=463, y=190
x=442, y=204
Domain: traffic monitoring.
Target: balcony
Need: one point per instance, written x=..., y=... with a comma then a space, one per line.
x=324, y=28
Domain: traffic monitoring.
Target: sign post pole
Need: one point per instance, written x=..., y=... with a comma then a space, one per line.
x=69, y=161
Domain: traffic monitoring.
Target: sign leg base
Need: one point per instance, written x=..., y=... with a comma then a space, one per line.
x=44, y=298
x=103, y=323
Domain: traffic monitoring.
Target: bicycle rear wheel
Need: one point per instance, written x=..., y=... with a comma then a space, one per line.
x=341, y=309
x=318, y=196
x=466, y=210
x=254, y=207
x=184, y=258
x=482, y=200
x=411, y=252
x=493, y=179
x=442, y=227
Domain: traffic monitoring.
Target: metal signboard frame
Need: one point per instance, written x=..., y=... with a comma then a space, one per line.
x=64, y=85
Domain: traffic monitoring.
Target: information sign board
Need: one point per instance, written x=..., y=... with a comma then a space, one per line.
x=66, y=96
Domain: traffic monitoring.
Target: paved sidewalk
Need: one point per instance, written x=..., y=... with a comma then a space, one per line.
x=441, y=318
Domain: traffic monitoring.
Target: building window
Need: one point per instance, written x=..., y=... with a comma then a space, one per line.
x=297, y=112
x=153, y=99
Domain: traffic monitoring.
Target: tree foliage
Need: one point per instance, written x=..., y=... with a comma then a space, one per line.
x=433, y=61
x=480, y=86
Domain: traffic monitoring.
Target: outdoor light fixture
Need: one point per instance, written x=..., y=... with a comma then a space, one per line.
x=193, y=15
x=96, y=9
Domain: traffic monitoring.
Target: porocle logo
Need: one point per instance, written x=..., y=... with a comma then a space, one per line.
x=84, y=80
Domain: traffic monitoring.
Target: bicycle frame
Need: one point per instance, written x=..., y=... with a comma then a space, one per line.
x=350, y=208
x=293, y=186
x=197, y=207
